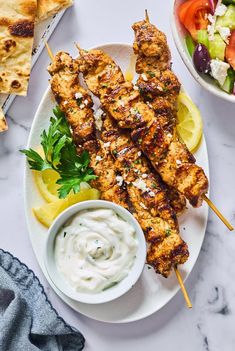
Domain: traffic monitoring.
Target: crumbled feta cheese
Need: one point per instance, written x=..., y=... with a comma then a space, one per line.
x=211, y=27
x=178, y=162
x=98, y=158
x=86, y=102
x=143, y=75
x=169, y=135
x=135, y=87
x=107, y=144
x=220, y=10
x=127, y=182
x=144, y=175
x=133, y=111
x=219, y=70
x=65, y=102
x=143, y=206
x=159, y=88
x=98, y=118
x=119, y=180
x=139, y=153
x=82, y=106
x=211, y=32
x=148, y=103
x=122, y=103
x=211, y=18
x=140, y=184
x=224, y=33
x=151, y=193
x=136, y=170
x=78, y=95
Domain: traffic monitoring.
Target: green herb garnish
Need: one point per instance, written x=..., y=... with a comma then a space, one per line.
x=79, y=101
x=110, y=286
x=168, y=232
x=151, y=74
x=60, y=154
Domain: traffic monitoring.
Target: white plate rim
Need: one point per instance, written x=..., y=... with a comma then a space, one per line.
x=27, y=171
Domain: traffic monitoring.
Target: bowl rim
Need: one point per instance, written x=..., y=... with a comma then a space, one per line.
x=114, y=292
x=189, y=64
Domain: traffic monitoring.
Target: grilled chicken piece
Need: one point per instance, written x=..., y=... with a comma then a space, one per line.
x=104, y=168
x=156, y=81
x=149, y=201
x=155, y=135
x=176, y=199
x=73, y=100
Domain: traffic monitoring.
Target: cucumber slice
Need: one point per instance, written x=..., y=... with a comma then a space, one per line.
x=202, y=37
x=228, y=2
x=229, y=82
x=190, y=44
x=228, y=20
x=217, y=48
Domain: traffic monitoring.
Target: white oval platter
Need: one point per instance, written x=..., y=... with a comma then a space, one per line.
x=152, y=291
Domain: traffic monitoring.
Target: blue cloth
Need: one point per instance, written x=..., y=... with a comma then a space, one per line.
x=28, y=322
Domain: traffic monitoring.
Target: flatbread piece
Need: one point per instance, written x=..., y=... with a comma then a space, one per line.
x=17, y=19
x=47, y=8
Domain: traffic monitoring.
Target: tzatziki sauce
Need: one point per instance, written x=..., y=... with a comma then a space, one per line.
x=95, y=250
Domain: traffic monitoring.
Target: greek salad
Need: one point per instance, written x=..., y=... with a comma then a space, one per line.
x=211, y=38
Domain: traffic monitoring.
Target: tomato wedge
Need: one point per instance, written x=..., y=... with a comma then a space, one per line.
x=193, y=15
x=230, y=50
x=182, y=12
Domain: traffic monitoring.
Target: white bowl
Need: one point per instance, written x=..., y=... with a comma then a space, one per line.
x=179, y=35
x=114, y=292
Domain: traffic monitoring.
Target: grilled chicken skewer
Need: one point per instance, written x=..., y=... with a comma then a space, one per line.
x=158, y=85
x=64, y=86
x=146, y=192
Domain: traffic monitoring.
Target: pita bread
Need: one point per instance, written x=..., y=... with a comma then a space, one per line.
x=16, y=41
x=47, y=8
x=3, y=123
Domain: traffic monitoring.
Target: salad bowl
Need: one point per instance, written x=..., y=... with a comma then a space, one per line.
x=179, y=34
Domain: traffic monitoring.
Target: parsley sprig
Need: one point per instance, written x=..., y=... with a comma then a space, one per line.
x=60, y=154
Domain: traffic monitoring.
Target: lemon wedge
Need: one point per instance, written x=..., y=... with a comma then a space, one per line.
x=189, y=122
x=49, y=211
x=46, y=183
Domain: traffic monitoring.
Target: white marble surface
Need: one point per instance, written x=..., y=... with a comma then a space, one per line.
x=209, y=325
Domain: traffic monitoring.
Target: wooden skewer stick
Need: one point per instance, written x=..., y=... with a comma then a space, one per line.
x=183, y=289
x=49, y=51
x=217, y=212
x=205, y=198
x=178, y=275
x=146, y=16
